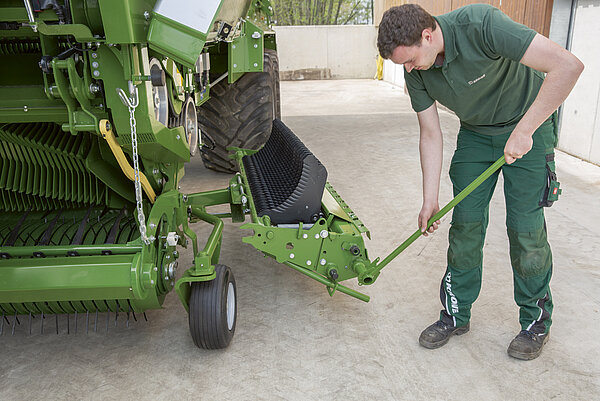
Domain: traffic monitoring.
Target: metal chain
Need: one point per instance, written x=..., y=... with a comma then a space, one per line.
x=132, y=105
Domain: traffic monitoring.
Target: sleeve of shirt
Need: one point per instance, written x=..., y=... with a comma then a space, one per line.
x=504, y=37
x=419, y=98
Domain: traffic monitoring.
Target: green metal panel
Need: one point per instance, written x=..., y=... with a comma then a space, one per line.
x=124, y=20
x=245, y=53
x=183, y=44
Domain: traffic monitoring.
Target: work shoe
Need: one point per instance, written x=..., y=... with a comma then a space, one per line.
x=439, y=333
x=527, y=345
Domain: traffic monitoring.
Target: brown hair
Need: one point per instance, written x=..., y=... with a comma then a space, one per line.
x=402, y=26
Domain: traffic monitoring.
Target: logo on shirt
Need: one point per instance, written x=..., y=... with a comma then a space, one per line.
x=476, y=80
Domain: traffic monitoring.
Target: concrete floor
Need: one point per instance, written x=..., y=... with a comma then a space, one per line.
x=294, y=342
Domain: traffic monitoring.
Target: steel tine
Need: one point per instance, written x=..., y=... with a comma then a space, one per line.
x=107, y=320
x=29, y=323
x=116, y=313
x=68, y=325
x=42, y=325
x=145, y=316
x=75, y=322
x=2, y=324
x=96, y=322
x=56, y=316
x=87, y=321
x=128, y=311
x=134, y=318
x=14, y=323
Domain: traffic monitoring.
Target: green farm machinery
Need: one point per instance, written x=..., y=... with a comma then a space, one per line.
x=102, y=102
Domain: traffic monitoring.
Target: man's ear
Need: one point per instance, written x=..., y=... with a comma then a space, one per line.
x=427, y=35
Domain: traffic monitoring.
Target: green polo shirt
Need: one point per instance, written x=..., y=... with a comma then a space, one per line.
x=481, y=79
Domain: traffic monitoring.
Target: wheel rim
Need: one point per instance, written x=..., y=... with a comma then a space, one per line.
x=230, y=306
x=159, y=97
x=190, y=125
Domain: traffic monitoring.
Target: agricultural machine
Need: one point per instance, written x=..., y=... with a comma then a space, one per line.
x=102, y=102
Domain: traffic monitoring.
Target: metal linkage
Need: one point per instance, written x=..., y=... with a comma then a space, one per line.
x=131, y=103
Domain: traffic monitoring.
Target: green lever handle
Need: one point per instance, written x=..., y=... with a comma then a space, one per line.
x=463, y=194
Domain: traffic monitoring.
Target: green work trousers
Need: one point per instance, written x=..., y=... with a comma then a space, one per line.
x=530, y=255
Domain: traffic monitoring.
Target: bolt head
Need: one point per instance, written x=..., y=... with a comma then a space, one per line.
x=305, y=236
x=292, y=256
x=308, y=263
x=324, y=233
x=323, y=262
x=96, y=73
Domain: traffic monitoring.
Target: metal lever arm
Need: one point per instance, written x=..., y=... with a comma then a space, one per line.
x=463, y=194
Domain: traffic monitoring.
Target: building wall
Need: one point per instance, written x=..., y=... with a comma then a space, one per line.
x=327, y=51
x=536, y=14
x=580, y=121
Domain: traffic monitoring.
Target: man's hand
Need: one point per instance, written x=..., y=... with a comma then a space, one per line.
x=427, y=212
x=517, y=146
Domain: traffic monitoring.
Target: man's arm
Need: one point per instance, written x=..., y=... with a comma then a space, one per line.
x=562, y=70
x=431, y=151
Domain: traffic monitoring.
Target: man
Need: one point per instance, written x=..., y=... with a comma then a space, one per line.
x=489, y=70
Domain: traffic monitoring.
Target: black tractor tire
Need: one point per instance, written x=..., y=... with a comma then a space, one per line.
x=272, y=54
x=213, y=314
x=239, y=114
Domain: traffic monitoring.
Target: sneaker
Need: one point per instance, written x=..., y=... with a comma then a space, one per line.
x=439, y=333
x=527, y=345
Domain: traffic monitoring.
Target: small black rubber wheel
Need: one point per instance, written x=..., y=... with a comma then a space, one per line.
x=240, y=114
x=213, y=310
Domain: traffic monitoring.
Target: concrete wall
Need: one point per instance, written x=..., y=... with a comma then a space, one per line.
x=580, y=124
x=322, y=52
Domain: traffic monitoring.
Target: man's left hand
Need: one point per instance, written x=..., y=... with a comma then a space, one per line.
x=517, y=146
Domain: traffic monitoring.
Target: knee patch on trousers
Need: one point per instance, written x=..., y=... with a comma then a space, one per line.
x=529, y=252
x=465, y=250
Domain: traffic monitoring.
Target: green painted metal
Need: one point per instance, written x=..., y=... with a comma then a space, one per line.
x=246, y=52
x=180, y=42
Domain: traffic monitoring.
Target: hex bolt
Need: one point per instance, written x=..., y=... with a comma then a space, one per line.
x=255, y=46
x=323, y=262
x=317, y=236
x=96, y=73
x=178, y=137
x=324, y=234
x=152, y=282
x=95, y=64
x=235, y=65
x=146, y=15
x=130, y=289
x=152, y=225
x=305, y=236
x=156, y=269
x=308, y=262
x=292, y=256
x=256, y=64
x=94, y=55
x=155, y=171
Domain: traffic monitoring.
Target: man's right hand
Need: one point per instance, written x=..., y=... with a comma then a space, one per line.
x=427, y=212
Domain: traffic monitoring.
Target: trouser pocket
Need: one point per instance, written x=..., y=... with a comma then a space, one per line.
x=552, y=189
